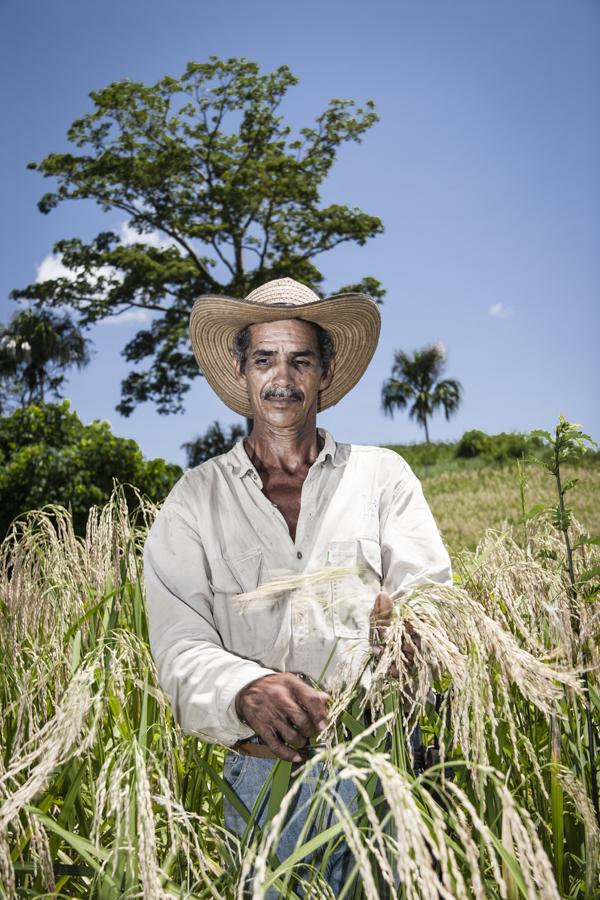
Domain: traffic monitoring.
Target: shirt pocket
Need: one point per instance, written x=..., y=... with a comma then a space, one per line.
x=353, y=594
x=252, y=625
x=237, y=574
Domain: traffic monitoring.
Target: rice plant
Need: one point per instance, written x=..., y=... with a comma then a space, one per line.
x=102, y=795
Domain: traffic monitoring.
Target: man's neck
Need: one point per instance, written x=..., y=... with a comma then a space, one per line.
x=288, y=450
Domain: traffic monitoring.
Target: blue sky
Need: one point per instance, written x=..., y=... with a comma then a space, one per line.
x=484, y=168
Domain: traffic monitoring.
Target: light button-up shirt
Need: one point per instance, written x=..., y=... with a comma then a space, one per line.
x=231, y=597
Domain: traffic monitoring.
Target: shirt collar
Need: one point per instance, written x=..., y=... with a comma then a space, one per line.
x=239, y=462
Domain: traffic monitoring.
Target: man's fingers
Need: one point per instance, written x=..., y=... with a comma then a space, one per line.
x=314, y=704
x=381, y=616
x=411, y=642
x=382, y=609
x=413, y=635
x=289, y=735
x=299, y=719
x=274, y=743
x=282, y=709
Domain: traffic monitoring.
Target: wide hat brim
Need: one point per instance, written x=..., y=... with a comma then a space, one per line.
x=352, y=319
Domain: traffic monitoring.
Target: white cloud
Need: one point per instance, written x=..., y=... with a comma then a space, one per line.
x=130, y=236
x=499, y=311
x=52, y=267
x=131, y=315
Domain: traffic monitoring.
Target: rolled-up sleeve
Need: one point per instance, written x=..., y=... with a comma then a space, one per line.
x=412, y=549
x=200, y=677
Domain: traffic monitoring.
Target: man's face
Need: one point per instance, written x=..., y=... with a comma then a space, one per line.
x=283, y=373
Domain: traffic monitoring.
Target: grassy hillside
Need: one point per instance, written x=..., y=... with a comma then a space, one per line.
x=468, y=495
x=476, y=496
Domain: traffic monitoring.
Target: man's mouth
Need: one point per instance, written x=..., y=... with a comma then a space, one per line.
x=282, y=395
x=282, y=400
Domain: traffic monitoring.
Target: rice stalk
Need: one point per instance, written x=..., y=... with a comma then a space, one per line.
x=101, y=792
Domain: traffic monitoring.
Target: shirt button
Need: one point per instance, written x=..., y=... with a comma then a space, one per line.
x=299, y=555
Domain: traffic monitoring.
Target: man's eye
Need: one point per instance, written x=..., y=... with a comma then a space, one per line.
x=302, y=362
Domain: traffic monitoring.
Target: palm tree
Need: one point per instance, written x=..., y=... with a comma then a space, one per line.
x=415, y=382
x=35, y=349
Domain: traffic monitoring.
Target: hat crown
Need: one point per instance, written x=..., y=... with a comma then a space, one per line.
x=282, y=292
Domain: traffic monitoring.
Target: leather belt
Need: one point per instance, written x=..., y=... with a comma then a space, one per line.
x=249, y=748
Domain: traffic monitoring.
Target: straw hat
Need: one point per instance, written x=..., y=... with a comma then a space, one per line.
x=352, y=319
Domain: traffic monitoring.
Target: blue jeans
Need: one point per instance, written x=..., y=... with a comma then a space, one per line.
x=247, y=774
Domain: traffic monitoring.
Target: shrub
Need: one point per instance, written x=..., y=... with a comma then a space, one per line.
x=473, y=443
x=498, y=447
x=47, y=455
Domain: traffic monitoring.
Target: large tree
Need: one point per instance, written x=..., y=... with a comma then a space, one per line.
x=36, y=349
x=206, y=163
x=416, y=383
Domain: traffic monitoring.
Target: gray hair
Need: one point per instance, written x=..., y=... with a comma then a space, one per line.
x=325, y=342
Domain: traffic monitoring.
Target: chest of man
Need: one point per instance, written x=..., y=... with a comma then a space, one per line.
x=284, y=491
x=283, y=579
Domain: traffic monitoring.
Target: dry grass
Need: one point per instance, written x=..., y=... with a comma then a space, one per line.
x=102, y=795
x=466, y=502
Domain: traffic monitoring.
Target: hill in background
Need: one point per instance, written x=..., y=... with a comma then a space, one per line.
x=475, y=484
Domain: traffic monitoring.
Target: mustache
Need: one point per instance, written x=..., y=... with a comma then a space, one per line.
x=281, y=393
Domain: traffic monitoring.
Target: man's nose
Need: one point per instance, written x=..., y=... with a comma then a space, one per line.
x=283, y=373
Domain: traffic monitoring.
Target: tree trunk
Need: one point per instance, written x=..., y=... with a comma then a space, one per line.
x=426, y=430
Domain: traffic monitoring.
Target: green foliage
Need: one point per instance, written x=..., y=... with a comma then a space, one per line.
x=36, y=348
x=569, y=443
x=498, y=447
x=213, y=443
x=205, y=161
x=474, y=443
x=474, y=449
x=416, y=383
x=421, y=457
x=47, y=455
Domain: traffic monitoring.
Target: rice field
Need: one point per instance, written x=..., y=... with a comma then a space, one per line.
x=103, y=796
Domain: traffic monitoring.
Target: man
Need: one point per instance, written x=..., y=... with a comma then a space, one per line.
x=287, y=501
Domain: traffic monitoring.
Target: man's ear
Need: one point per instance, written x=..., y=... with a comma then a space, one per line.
x=328, y=378
x=239, y=375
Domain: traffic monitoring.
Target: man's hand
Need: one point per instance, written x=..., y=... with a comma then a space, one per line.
x=381, y=617
x=282, y=709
